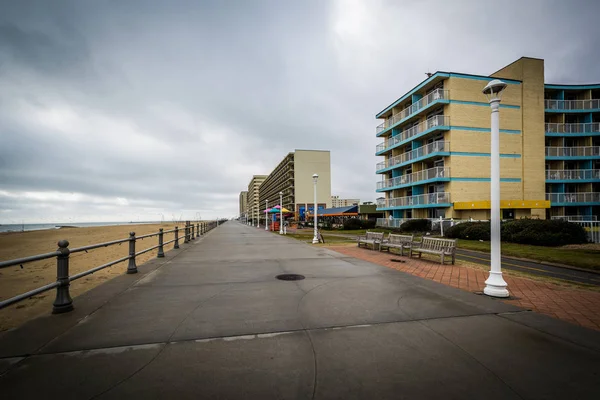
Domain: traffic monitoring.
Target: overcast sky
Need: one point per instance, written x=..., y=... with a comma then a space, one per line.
x=134, y=110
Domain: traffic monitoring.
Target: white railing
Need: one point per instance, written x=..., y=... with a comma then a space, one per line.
x=572, y=174
x=575, y=151
x=581, y=197
x=431, y=173
x=438, y=94
x=573, y=128
x=572, y=104
x=572, y=218
x=592, y=228
x=422, y=151
x=437, y=120
x=422, y=199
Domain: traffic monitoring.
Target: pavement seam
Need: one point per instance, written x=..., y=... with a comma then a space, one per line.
x=161, y=265
x=469, y=355
x=324, y=328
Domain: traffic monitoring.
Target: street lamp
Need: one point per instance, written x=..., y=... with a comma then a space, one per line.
x=266, y=215
x=315, y=237
x=280, y=213
x=495, y=285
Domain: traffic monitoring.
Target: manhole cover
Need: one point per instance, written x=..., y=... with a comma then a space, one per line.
x=290, y=277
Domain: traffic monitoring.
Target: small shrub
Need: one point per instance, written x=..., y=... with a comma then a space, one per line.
x=543, y=232
x=368, y=223
x=352, y=224
x=416, y=225
x=469, y=230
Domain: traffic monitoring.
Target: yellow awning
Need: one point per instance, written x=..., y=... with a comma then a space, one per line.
x=486, y=204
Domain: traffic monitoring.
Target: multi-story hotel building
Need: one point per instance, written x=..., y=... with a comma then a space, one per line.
x=436, y=148
x=337, y=202
x=243, y=203
x=293, y=177
x=252, y=198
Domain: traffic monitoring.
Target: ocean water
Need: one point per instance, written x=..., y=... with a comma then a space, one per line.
x=37, y=227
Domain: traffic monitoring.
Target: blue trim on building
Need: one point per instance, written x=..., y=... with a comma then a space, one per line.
x=472, y=128
x=572, y=157
x=441, y=205
x=426, y=156
x=420, y=110
x=572, y=180
x=485, y=179
x=416, y=183
x=560, y=110
x=470, y=154
x=480, y=103
x=579, y=204
x=441, y=74
x=573, y=87
x=579, y=134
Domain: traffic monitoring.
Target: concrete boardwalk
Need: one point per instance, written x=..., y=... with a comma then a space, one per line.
x=211, y=321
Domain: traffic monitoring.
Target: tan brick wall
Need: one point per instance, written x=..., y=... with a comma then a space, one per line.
x=479, y=116
x=479, y=167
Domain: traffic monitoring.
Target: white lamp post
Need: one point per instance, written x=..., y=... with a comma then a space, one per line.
x=495, y=285
x=315, y=237
x=280, y=213
x=266, y=215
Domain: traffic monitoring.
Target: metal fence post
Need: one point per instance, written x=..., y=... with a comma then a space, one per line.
x=63, y=302
x=132, y=268
x=161, y=251
x=176, y=245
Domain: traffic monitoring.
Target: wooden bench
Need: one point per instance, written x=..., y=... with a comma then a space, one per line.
x=443, y=247
x=397, y=242
x=371, y=238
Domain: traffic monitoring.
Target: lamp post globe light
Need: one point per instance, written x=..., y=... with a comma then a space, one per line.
x=315, y=237
x=495, y=285
x=266, y=215
x=280, y=213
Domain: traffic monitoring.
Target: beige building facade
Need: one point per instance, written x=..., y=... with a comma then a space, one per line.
x=252, y=199
x=293, y=178
x=243, y=203
x=337, y=202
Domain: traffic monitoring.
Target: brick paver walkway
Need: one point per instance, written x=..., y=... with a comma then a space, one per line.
x=578, y=306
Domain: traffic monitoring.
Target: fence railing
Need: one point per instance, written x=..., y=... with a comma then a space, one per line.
x=576, y=151
x=581, y=197
x=572, y=174
x=431, y=173
x=588, y=127
x=438, y=94
x=591, y=104
x=422, y=199
x=576, y=217
x=437, y=146
x=63, y=302
x=437, y=120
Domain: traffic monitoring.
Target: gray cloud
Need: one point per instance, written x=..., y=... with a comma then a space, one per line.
x=124, y=110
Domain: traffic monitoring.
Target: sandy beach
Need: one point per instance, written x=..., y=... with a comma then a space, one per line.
x=16, y=280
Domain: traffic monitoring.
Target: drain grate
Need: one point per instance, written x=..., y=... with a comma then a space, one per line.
x=290, y=277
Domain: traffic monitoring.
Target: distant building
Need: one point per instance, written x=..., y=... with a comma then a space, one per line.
x=243, y=203
x=337, y=202
x=252, y=204
x=293, y=177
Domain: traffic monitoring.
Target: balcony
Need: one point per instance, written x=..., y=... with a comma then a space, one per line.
x=436, y=95
x=572, y=174
x=570, y=198
x=439, y=199
x=572, y=152
x=418, y=153
x=571, y=105
x=431, y=174
x=592, y=127
x=438, y=121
